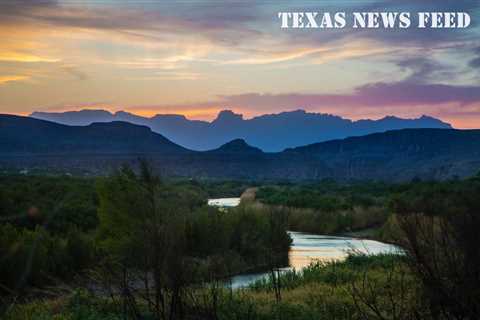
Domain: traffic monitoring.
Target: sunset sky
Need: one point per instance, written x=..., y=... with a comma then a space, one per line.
x=198, y=57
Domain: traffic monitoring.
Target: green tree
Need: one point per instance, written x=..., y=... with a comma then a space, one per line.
x=143, y=230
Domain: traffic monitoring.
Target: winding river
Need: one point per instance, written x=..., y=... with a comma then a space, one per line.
x=307, y=248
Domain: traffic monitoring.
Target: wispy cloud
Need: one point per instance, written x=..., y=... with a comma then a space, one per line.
x=170, y=75
x=23, y=57
x=12, y=78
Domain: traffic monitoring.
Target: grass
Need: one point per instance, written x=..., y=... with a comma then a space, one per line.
x=80, y=305
x=335, y=290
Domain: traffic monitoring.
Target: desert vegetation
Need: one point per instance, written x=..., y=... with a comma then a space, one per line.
x=135, y=246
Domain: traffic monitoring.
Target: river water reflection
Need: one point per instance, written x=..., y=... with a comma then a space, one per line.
x=224, y=202
x=307, y=248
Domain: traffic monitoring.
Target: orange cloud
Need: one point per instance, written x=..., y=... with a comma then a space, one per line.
x=25, y=44
x=23, y=57
x=338, y=50
x=7, y=79
x=273, y=57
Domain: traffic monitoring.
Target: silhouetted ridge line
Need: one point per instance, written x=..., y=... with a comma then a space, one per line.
x=269, y=132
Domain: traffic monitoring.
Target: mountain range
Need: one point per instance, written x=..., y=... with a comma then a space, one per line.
x=271, y=132
x=98, y=148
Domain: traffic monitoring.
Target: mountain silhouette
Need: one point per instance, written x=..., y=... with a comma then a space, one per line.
x=237, y=146
x=98, y=148
x=33, y=136
x=271, y=133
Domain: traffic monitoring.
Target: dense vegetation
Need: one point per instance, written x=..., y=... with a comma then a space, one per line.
x=134, y=246
x=126, y=232
x=47, y=229
x=329, y=207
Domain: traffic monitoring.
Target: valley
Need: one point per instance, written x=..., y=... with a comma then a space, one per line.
x=77, y=238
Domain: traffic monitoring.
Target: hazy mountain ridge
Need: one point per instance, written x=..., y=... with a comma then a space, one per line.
x=270, y=132
x=27, y=143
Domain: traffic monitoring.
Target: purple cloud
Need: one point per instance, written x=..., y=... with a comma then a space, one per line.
x=423, y=69
x=457, y=104
x=376, y=94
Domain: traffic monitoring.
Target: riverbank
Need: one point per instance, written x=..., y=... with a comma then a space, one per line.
x=322, y=291
x=306, y=248
x=370, y=231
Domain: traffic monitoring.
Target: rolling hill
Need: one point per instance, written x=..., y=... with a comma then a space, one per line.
x=32, y=136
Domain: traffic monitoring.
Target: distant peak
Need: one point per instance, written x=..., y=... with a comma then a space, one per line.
x=92, y=111
x=294, y=113
x=238, y=146
x=390, y=117
x=237, y=143
x=170, y=116
x=119, y=124
x=79, y=112
x=425, y=117
x=299, y=111
x=123, y=113
x=228, y=115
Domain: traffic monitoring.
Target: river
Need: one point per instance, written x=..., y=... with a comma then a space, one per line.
x=307, y=248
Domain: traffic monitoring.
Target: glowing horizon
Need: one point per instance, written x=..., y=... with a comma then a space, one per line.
x=209, y=117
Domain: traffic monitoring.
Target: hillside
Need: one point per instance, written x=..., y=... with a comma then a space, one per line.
x=400, y=154
x=32, y=136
